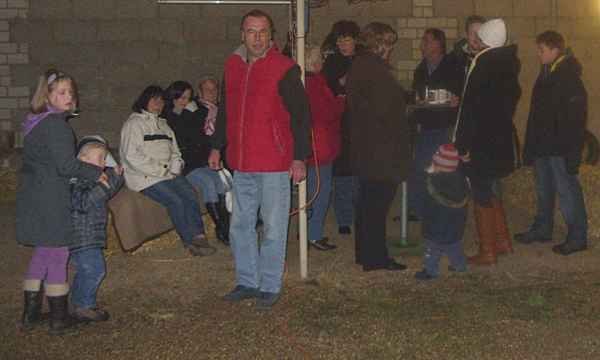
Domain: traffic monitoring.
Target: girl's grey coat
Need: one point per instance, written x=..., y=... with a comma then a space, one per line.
x=43, y=196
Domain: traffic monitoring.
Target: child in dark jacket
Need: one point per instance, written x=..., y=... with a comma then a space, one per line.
x=90, y=215
x=445, y=214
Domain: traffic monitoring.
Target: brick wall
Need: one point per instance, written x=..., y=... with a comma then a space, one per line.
x=114, y=48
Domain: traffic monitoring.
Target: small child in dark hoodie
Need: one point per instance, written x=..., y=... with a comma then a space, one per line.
x=89, y=216
x=445, y=214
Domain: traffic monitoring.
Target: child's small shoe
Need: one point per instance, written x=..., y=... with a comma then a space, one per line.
x=90, y=314
x=424, y=275
x=458, y=270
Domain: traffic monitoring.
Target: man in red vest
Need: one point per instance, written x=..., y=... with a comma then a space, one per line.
x=264, y=122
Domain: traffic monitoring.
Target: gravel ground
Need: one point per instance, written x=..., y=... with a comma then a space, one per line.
x=166, y=305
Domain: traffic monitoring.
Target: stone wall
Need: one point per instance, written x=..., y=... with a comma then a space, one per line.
x=114, y=48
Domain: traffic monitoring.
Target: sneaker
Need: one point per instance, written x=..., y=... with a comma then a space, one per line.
x=423, y=275
x=90, y=314
x=322, y=245
x=266, y=300
x=345, y=230
x=240, y=293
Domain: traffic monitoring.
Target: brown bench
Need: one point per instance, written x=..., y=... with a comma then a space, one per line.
x=137, y=218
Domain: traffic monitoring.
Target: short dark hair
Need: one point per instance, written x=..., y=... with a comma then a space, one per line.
x=257, y=13
x=439, y=36
x=551, y=39
x=151, y=92
x=375, y=34
x=474, y=19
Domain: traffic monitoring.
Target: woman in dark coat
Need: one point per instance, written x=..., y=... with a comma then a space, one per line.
x=554, y=142
x=340, y=48
x=188, y=120
x=379, y=151
x=484, y=135
x=43, y=197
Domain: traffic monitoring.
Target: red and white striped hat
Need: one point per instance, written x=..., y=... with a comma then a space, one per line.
x=446, y=158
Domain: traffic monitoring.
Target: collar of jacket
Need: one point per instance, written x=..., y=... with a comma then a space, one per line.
x=557, y=62
x=242, y=52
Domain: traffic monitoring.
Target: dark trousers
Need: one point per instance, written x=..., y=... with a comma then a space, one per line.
x=552, y=178
x=372, y=206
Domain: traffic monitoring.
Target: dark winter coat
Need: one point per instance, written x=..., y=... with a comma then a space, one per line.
x=379, y=131
x=43, y=195
x=335, y=67
x=557, y=115
x=89, y=209
x=485, y=128
x=448, y=75
x=193, y=143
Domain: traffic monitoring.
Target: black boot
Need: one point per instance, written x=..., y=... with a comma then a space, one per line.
x=213, y=211
x=224, y=215
x=32, y=309
x=60, y=319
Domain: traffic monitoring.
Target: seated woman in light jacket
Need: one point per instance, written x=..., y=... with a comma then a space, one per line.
x=152, y=165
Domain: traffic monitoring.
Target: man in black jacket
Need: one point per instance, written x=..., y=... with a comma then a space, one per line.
x=554, y=142
x=431, y=122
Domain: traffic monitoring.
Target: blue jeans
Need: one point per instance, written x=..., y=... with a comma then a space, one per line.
x=269, y=192
x=551, y=177
x=179, y=197
x=434, y=252
x=344, y=197
x=208, y=181
x=318, y=210
x=426, y=144
x=90, y=269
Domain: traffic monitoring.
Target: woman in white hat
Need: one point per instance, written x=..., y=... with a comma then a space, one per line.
x=484, y=136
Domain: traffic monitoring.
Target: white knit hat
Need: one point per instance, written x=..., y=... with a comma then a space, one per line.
x=493, y=33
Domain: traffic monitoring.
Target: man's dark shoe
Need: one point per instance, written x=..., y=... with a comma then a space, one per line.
x=529, y=237
x=199, y=246
x=567, y=248
x=322, y=245
x=345, y=230
x=266, y=300
x=391, y=265
x=241, y=293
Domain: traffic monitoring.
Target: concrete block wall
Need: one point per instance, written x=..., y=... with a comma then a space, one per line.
x=114, y=48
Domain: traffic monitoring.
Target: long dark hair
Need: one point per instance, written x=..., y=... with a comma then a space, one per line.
x=342, y=28
x=151, y=92
x=175, y=91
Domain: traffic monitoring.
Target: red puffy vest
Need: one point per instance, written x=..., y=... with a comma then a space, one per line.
x=326, y=111
x=259, y=138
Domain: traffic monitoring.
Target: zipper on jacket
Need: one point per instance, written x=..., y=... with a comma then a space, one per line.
x=243, y=113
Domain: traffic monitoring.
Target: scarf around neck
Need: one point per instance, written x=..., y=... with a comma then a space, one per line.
x=32, y=120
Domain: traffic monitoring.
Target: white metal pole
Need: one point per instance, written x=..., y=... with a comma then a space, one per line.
x=302, y=219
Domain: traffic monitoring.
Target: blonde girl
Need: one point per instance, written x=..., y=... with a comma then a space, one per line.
x=43, y=198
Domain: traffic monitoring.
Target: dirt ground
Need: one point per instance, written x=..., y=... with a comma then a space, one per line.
x=166, y=305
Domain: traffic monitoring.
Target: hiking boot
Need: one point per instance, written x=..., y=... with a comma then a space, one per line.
x=90, y=315
x=529, y=237
x=568, y=248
